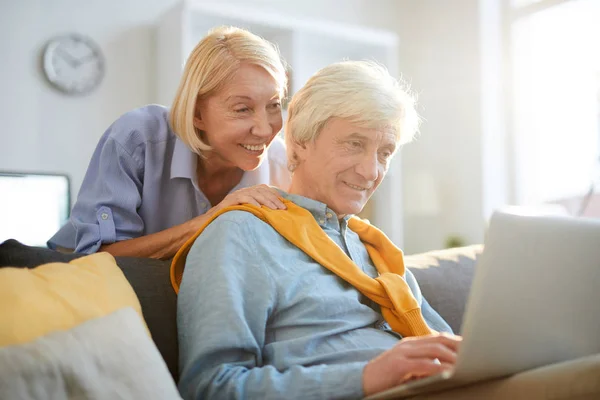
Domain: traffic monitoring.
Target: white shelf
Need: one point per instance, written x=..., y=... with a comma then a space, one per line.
x=306, y=44
x=252, y=16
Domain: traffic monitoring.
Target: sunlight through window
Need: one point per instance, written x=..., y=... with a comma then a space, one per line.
x=556, y=67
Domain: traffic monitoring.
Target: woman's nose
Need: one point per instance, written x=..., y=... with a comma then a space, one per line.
x=262, y=126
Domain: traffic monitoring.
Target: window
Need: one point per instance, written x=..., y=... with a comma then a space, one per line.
x=555, y=49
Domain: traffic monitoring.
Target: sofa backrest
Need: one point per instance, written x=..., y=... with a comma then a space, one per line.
x=444, y=277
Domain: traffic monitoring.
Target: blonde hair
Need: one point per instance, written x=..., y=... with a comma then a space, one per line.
x=211, y=64
x=361, y=92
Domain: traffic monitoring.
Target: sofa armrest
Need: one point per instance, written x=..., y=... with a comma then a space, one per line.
x=445, y=278
x=575, y=379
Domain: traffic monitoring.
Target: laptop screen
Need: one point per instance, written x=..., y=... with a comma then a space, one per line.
x=33, y=206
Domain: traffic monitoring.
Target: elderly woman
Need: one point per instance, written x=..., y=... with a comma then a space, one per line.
x=157, y=174
x=311, y=302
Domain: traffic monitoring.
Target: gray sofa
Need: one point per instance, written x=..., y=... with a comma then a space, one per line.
x=444, y=276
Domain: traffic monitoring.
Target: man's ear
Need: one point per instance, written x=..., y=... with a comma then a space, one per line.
x=298, y=152
x=301, y=148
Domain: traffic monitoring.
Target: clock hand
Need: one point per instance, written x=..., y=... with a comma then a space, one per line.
x=72, y=61
x=85, y=59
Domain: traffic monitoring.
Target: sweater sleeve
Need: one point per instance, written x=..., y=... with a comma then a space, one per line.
x=226, y=300
x=433, y=319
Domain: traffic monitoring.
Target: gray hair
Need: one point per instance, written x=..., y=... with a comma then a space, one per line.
x=361, y=92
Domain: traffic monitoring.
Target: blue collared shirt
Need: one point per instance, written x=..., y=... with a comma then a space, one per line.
x=142, y=179
x=259, y=319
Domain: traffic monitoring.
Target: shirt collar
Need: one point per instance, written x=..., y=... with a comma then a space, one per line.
x=184, y=161
x=324, y=215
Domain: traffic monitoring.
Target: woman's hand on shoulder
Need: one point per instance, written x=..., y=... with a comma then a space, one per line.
x=257, y=195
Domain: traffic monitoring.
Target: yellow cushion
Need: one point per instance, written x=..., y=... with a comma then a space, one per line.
x=59, y=296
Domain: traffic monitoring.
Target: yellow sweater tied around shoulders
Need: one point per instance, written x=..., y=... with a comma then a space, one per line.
x=398, y=305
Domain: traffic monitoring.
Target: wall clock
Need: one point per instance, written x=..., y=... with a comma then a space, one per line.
x=74, y=64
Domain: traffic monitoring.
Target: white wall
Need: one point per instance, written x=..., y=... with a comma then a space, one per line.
x=440, y=54
x=46, y=131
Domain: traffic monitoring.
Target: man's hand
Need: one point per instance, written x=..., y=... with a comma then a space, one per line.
x=412, y=357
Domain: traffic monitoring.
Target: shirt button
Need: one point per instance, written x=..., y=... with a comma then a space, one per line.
x=321, y=221
x=329, y=215
x=104, y=216
x=203, y=204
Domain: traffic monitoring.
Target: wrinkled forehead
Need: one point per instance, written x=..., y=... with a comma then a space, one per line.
x=389, y=135
x=381, y=133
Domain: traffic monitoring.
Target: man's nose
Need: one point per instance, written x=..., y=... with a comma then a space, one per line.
x=368, y=168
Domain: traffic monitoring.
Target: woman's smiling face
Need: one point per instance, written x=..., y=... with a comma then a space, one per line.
x=241, y=120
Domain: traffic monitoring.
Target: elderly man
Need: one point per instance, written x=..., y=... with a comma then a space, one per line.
x=310, y=301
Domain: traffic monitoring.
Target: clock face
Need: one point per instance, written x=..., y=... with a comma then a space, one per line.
x=73, y=64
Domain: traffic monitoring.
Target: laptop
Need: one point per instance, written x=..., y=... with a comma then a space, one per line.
x=534, y=301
